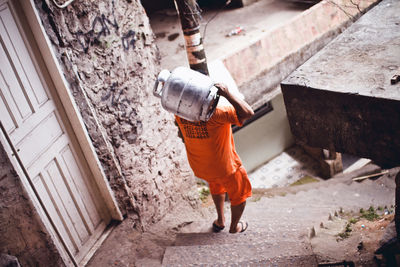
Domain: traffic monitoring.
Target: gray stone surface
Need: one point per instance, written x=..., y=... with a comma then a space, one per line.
x=276, y=216
x=280, y=226
x=257, y=233
x=261, y=89
x=229, y=254
x=342, y=98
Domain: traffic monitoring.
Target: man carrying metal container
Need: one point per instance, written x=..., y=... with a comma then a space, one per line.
x=211, y=153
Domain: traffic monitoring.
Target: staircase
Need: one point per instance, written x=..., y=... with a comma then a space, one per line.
x=251, y=248
x=279, y=226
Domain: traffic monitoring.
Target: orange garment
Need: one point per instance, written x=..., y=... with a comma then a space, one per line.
x=237, y=185
x=211, y=153
x=209, y=145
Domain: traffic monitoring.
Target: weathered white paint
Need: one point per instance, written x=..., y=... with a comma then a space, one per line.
x=38, y=129
x=264, y=138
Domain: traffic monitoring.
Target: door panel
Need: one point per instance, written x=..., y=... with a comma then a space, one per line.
x=39, y=140
x=7, y=117
x=17, y=51
x=20, y=105
x=45, y=196
x=56, y=203
x=86, y=204
x=44, y=144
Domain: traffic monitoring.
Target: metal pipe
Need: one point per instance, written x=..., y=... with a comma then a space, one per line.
x=189, y=14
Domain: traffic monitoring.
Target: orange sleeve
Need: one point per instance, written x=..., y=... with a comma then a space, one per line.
x=226, y=114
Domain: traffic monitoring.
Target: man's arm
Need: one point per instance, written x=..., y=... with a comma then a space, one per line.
x=243, y=110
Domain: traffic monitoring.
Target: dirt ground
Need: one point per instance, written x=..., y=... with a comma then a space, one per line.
x=129, y=246
x=332, y=244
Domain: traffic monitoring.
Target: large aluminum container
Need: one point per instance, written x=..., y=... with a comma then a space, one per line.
x=187, y=93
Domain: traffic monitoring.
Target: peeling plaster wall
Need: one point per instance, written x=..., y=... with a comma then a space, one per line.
x=110, y=61
x=22, y=234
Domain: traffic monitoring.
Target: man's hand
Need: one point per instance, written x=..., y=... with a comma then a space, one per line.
x=243, y=110
x=222, y=89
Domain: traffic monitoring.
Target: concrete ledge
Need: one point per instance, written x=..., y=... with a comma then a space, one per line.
x=342, y=98
x=265, y=86
x=270, y=53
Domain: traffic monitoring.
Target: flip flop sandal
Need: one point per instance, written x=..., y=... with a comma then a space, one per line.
x=245, y=225
x=217, y=228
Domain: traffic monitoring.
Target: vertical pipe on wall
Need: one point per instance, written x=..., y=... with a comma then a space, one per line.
x=189, y=14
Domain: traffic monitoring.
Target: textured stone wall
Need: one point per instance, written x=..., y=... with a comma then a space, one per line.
x=110, y=60
x=22, y=233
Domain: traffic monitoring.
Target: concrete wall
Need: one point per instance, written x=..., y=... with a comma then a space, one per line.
x=264, y=138
x=111, y=46
x=260, y=66
x=342, y=98
x=22, y=234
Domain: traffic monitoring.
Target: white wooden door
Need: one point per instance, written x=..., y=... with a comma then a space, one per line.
x=36, y=125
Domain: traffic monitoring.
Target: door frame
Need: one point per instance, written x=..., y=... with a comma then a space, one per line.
x=29, y=17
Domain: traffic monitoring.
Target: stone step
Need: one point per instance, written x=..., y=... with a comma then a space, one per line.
x=273, y=228
x=298, y=261
x=277, y=225
x=297, y=220
x=254, y=234
x=282, y=252
x=259, y=222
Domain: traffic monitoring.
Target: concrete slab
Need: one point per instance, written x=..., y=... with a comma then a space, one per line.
x=342, y=98
x=255, y=19
x=228, y=255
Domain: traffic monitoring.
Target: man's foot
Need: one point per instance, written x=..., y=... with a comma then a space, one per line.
x=241, y=227
x=217, y=228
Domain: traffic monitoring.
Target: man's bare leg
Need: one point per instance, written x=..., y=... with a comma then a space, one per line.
x=219, y=206
x=237, y=212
